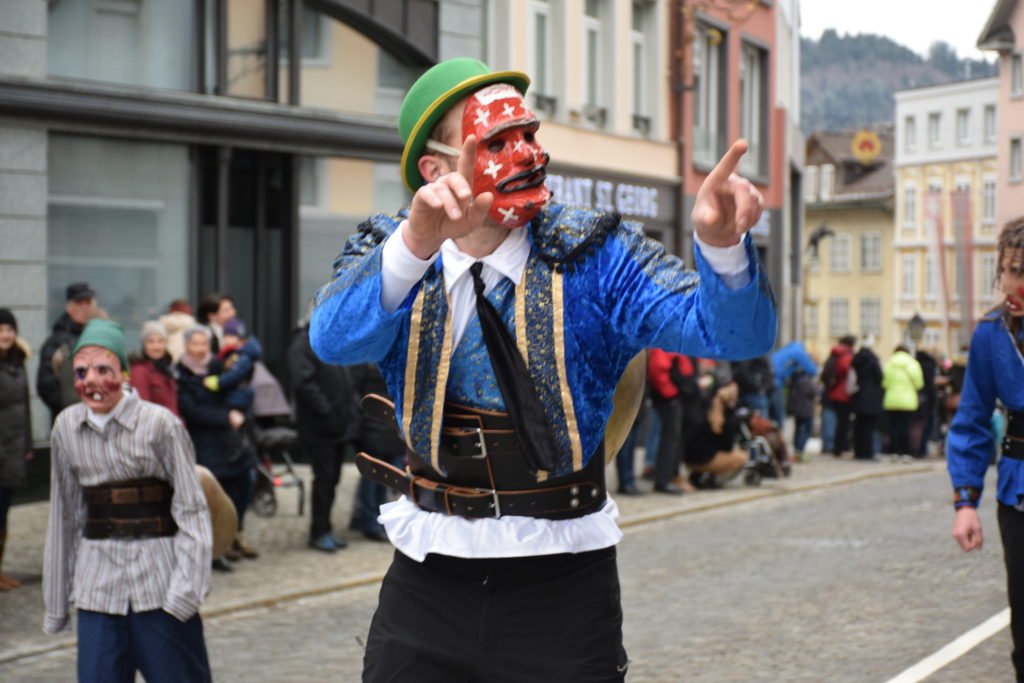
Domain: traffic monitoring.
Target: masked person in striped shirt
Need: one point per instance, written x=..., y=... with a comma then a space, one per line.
x=129, y=539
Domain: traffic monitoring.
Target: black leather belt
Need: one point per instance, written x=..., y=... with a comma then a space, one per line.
x=483, y=472
x=137, y=508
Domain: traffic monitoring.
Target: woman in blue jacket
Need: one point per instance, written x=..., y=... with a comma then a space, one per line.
x=995, y=370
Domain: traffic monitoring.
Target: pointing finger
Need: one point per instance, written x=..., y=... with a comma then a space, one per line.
x=467, y=159
x=727, y=166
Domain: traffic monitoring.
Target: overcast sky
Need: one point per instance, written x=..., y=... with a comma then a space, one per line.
x=913, y=23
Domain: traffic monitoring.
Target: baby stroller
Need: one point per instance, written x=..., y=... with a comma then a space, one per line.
x=273, y=441
x=762, y=438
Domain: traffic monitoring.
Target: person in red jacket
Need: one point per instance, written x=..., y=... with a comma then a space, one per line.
x=672, y=381
x=835, y=377
x=152, y=373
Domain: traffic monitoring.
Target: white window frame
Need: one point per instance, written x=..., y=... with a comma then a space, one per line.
x=827, y=182
x=871, y=315
x=963, y=126
x=643, y=42
x=811, y=184
x=991, y=123
x=593, y=88
x=989, y=191
x=1016, y=169
x=838, y=317
x=908, y=276
x=871, y=252
x=931, y=291
x=540, y=69
x=1016, y=75
x=909, y=133
x=708, y=68
x=935, y=130
x=811, y=321
x=839, y=256
x=752, y=106
x=987, y=277
x=910, y=205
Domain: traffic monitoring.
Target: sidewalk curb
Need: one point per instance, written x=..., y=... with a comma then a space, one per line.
x=624, y=523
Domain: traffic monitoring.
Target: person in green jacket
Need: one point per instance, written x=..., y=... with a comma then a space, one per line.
x=902, y=378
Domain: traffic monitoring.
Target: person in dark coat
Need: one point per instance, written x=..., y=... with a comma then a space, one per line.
x=866, y=402
x=382, y=442
x=211, y=423
x=54, y=382
x=327, y=417
x=756, y=380
x=927, y=408
x=152, y=372
x=803, y=396
x=15, y=424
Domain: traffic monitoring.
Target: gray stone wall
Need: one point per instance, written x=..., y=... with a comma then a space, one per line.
x=23, y=188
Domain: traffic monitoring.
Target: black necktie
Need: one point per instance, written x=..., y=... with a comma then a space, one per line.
x=521, y=400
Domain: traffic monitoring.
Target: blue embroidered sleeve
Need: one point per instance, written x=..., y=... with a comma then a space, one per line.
x=349, y=325
x=970, y=442
x=658, y=303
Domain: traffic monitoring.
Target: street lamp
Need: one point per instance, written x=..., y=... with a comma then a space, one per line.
x=820, y=233
x=915, y=329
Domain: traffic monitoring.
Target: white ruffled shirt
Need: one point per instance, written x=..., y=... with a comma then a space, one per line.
x=417, y=532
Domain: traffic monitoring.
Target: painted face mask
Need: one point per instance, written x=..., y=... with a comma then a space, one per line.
x=509, y=161
x=98, y=378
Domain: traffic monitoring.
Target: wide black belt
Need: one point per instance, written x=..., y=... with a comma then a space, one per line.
x=484, y=471
x=137, y=508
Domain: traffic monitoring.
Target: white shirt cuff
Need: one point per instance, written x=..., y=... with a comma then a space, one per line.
x=731, y=263
x=400, y=270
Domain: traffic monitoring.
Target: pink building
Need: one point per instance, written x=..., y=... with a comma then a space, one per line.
x=1004, y=33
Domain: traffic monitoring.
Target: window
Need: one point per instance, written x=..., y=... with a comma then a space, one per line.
x=929, y=277
x=641, y=42
x=828, y=172
x=810, y=321
x=708, y=73
x=130, y=42
x=839, y=253
x=935, y=186
x=962, y=184
x=909, y=133
x=811, y=184
x=988, y=201
x=118, y=213
x=990, y=122
x=540, y=55
x=963, y=126
x=871, y=252
x=908, y=284
x=909, y=205
x=935, y=129
x=753, y=107
x=593, y=51
x=838, y=317
x=1016, y=76
x=871, y=316
x=1015, y=159
x=987, y=285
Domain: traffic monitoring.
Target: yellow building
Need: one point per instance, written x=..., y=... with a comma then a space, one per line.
x=944, y=255
x=848, y=233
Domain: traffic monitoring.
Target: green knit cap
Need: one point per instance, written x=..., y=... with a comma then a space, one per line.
x=430, y=98
x=107, y=334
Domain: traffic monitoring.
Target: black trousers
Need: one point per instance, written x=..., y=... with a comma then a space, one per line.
x=900, y=422
x=841, y=444
x=327, y=459
x=864, y=436
x=1011, y=529
x=670, y=447
x=547, y=618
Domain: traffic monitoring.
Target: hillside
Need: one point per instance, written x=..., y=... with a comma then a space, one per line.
x=849, y=80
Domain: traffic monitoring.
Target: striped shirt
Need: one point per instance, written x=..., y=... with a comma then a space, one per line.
x=140, y=439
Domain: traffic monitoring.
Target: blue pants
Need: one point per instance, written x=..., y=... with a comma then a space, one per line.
x=828, y=429
x=112, y=647
x=757, y=402
x=804, y=427
x=653, y=437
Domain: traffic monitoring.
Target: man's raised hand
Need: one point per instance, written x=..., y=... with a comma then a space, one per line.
x=727, y=205
x=446, y=207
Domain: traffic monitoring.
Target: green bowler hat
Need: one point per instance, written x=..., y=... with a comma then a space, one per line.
x=107, y=334
x=432, y=95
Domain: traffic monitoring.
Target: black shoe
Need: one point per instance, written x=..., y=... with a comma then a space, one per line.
x=669, y=488
x=704, y=480
x=222, y=565
x=630, y=490
x=376, y=535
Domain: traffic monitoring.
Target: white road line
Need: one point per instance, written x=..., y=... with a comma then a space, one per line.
x=932, y=663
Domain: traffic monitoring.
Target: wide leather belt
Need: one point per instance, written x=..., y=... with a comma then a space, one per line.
x=137, y=508
x=568, y=500
x=482, y=471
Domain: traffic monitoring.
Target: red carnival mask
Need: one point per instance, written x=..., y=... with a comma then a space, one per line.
x=509, y=162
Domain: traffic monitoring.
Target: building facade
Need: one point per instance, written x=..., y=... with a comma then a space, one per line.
x=848, y=193
x=946, y=220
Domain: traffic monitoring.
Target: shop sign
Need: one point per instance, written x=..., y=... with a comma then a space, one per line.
x=629, y=199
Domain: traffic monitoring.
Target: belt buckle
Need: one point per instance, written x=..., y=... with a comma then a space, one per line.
x=495, y=503
x=482, y=445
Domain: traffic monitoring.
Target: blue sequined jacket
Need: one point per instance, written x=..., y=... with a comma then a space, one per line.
x=995, y=369
x=595, y=292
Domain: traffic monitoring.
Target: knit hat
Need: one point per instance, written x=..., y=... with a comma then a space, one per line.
x=235, y=327
x=7, y=318
x=179, y=306
x=106, y=334
x=430, y=98
x=79, y=290
x=151, y=327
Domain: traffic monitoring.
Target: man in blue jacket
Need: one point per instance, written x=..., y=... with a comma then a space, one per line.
x=502, y=324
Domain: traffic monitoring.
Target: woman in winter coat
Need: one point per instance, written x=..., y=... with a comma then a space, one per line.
x=15, y=425
x=866, y=402
x=210, y=422
x=152, y=373
x=902, y=379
